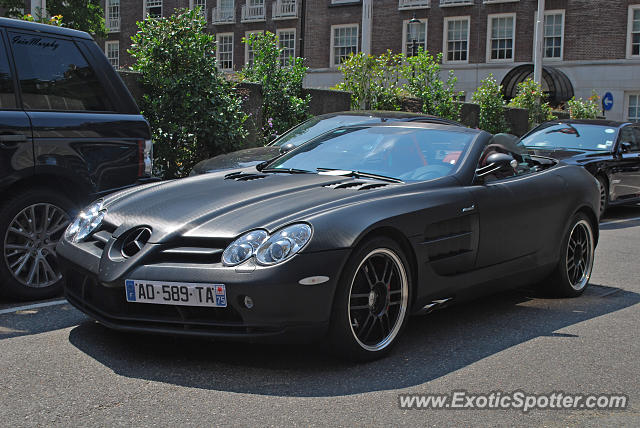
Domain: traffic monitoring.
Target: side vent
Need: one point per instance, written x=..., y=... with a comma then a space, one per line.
x=240, y=176
x=356, y=185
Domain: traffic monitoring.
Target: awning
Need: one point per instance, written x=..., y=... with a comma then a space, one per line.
x=555, y=83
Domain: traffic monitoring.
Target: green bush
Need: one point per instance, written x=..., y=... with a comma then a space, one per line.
x=489, y=97
x=585, y=109
x=284, y=104
x=193, y=110
x=374, y=82
x=422, y=73
x=531, y=97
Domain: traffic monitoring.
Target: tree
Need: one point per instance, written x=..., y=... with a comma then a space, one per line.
x=83, y=15
x=374, y=82
x=438, y=97
x=12, y=8
x=194, y=111
x=530, y=96
x=489, y=97
x=283, y=103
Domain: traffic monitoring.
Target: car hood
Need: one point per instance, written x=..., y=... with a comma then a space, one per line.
x=239, y=159
x=224, y=205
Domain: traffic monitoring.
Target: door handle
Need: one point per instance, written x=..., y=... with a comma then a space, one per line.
x=469, y=209
x=13, y=138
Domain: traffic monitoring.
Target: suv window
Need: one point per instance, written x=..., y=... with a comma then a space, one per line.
x=7, y=96
x=54, y=75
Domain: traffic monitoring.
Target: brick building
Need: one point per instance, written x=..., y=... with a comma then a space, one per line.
x=591, y=44
x=595, y=44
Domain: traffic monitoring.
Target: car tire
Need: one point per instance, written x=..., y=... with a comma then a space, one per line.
x=31, y=223
x=372, y=299
x=573, y=272
x=604, y=194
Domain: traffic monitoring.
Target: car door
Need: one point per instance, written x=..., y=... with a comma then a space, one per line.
x=16, y=145
x=625, y=172
x=77, y=129
x=514, y=213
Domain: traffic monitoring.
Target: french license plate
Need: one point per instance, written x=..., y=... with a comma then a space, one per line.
x=176, y=293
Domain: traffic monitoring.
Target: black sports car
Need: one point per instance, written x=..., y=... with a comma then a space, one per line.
x=340, y=239
x=609, y=150
x=304, y=132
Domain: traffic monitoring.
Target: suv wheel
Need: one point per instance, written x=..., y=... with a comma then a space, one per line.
x=31, y=224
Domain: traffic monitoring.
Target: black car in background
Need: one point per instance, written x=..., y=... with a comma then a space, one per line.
x=306, y=131
x=609, y=150
x=69, y=132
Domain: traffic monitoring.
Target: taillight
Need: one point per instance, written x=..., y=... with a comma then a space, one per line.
x=145, y=158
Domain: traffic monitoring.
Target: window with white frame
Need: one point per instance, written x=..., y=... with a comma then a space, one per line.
x=113, y=15
x=112, y=49
x=633, y=107
x=553, y=34
x=152, y=8
x=287, y=41
x=202, y=4
x=248, y=50
x=634, y=31
x=421, y=39
x=501, y=37
x=456, y=39
x=344, y=42
x=224, y=51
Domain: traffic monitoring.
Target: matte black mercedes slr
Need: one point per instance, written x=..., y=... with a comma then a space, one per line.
x=340, y=239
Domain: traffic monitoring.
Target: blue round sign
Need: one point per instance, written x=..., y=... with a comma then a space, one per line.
x=607, y=101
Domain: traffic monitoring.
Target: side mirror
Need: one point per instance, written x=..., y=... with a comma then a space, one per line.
x=497, y=162
x=286, y=148
x=625, y=146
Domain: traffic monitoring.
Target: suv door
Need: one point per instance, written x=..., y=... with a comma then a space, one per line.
x=78, y=128
x=625, y=173
x=16, y=145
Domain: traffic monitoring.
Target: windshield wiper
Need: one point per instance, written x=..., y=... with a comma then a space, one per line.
x=286, y=170
x=360, y=174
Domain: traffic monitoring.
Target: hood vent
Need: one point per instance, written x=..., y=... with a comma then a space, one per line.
x=356, y=185
x=240, y=176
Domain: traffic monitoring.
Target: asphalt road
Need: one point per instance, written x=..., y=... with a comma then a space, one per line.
x=57, y=368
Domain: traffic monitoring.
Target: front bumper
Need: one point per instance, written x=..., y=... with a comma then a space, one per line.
x=283, y=310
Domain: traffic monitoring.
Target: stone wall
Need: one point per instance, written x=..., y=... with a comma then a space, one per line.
x=322, y=101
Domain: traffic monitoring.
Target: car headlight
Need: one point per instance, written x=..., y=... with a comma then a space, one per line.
x=86, y=222
x=243, y=248
x=283, y=244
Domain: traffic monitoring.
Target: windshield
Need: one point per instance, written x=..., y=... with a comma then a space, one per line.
x=316, y=126
x=572, y=136
x=405, y=153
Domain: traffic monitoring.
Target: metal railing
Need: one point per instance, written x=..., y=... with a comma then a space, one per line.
x=223, y=15
x=113, y=25
x=413, y=4
x=285, y=9
x=253, y=13
x=455, y=2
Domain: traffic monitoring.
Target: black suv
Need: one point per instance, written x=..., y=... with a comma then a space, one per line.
x=69, y=132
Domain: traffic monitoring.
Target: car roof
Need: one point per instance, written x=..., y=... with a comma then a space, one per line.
x=602, y=122
x=397, y=115
x=20, y=24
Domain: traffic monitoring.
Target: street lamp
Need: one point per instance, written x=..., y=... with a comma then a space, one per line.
x=414, y=29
